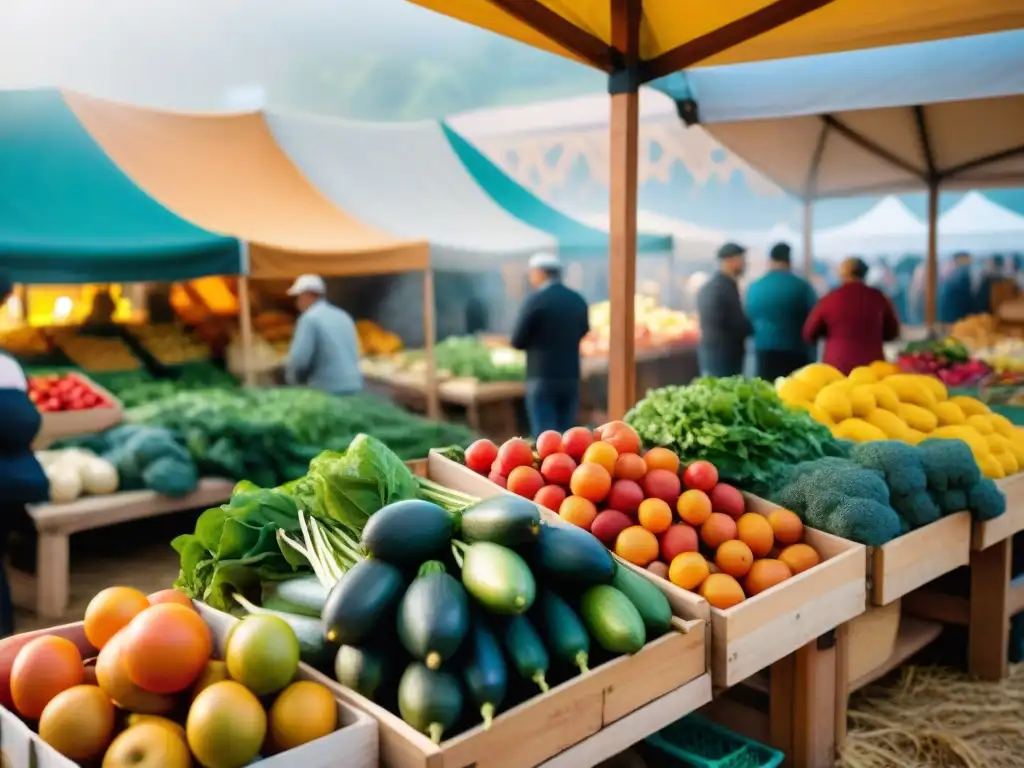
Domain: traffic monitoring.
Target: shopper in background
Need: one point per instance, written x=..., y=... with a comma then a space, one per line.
x=855, y=320
x=995, y=287
x=778, y=306
x=22, y=480
x=724, y=327
x=551, y=324
x=324, y=353
x=956, y=300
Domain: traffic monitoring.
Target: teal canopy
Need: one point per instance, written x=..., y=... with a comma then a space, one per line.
x=68, y=214
x=574, y=237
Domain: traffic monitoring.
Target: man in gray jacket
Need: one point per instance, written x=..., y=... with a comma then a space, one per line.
x=724, y=326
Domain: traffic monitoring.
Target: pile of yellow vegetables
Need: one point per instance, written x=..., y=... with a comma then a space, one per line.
x=375, y=340
x=878, y=402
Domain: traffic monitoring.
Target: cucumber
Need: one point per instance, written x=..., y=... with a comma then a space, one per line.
x=429, y=701
x=358, y=602
x=562, y=629
x=484, y=671
x=361, y=669
x=433, y=616
x=570, y=554
x=304, y=595
x=312, y=648
x=525, y=649
x=507, y=520
x=612, y=620
x=497, y=577
x=650, y=601
x=407, y=532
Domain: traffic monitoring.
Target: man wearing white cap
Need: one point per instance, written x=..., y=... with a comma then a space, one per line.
x=551, y=323
x=324, y=353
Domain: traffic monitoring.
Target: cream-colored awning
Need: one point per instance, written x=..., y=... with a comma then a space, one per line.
x=226, y=174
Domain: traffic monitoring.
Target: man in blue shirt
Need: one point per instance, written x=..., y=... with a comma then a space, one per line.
x=551, y=323
x=778, y=305
x=956, y=300
x=324, y=353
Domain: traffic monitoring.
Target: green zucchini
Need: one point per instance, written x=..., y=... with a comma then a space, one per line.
x=570, y=554
x=430, y=701
x=484, y=671
x=497, y=577
x=360, y=599
x=506, y=520
x=525, y=649
x=407, y=532
x=433, y=616
x=562, y=629
x=312, y=648
x=304, y=595
x=361, y=669
x=612, y=620
x=650, y=601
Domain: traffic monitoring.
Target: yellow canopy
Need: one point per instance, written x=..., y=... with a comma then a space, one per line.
x=688, y=32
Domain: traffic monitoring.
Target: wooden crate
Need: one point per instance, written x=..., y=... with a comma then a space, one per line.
x=919, y=557
x=989, y=532
x=63, y=424
x=760, y=631
x=356, y=738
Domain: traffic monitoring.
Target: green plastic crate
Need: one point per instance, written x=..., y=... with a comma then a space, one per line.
x=696, y=741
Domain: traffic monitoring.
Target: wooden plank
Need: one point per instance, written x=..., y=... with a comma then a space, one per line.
x=988, y=644
x=919, y=557
x=781, y=703
x=814, y=737
x=930, y=605
x=914, y=635
x=989, y=532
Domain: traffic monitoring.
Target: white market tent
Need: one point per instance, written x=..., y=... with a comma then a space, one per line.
x=977, y=225
x=888, y=228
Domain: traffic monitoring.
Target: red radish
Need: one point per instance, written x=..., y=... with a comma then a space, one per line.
x=677, y=539
x=525, y=482
x=700, y=476
x=662, y=484
x=481, y=455
x=725, y=498
x=514, y=453
x=659, y=568
x=558, y=468
x=576, y=441
x=609, y=524
x=550, y=496
x=549, y=442
x=498, y=479
x=625, y=496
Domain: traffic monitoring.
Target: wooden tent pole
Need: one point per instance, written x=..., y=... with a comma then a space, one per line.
x=245, y=324
x=808, y=244
x=624, y=145
x=932, y=268
x=429, y=331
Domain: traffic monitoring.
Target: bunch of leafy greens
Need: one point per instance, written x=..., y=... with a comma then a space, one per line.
x=738, y=424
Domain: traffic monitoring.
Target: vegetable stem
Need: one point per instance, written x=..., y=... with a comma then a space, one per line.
x=487, y=713
x=581, y=661
x=435, y=731
x=541, y=682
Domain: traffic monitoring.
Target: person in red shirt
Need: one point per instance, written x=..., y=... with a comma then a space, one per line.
x=855, y=320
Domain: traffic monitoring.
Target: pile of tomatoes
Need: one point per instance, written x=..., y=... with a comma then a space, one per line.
x=53, y=394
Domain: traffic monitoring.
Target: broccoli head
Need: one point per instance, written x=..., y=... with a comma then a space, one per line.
x=918, y=509
x=862, y=520
x=838, y=448
x=985, y=500
x=822, y=483
x=952, y=501
x=949, y=463
x=900, y=463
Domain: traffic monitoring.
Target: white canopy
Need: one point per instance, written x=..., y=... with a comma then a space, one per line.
x=977, y=225
x=888, y=228
x=405, y=179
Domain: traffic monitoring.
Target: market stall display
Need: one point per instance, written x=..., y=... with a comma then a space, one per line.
x=655, y=327
x=101, y=354
x=71, y=404
x=169, y=344
x=948, y=359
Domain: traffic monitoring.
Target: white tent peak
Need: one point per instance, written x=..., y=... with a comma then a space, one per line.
x=889, y=217
x=975, y=213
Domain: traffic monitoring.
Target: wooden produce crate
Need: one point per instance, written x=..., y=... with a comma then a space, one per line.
x=761, y=630
x=989, y=532
x=62, y=424
x=355, y=739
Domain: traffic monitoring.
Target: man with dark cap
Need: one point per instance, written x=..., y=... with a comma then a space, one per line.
x=955, y=297
x=778, y=305
x=855, y=320
x=724, y=327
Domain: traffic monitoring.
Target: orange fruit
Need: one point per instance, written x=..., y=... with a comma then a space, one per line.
x=637, y=545
x=622, y=437
x=78, y=723
x=302, y=712
x=765, y=574
x=788, y=527
x=694, y=507
x=755, y=531
x=591, y=481
x=601, y=453
x=717, y=529
x=799, y=557
x=629, y=466
x=166, y=647
x=226, y=725
x=722, y=591
x=148, y=745
x=170, y=596
x=110, y=611
x=43, y=668
x=661, y=458
x=578, y=511
x=112, y=677
x=688, y=570
x=734, y=558
x=655, y=515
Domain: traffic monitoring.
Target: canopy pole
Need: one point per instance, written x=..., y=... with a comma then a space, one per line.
x=624, y=86
x=932, y=268
x=245, y=324
x=808, y=244
x=429, y=331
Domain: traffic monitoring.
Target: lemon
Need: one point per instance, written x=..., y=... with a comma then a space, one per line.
x=262, y=654
x=303, y=711
x=226, y=725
